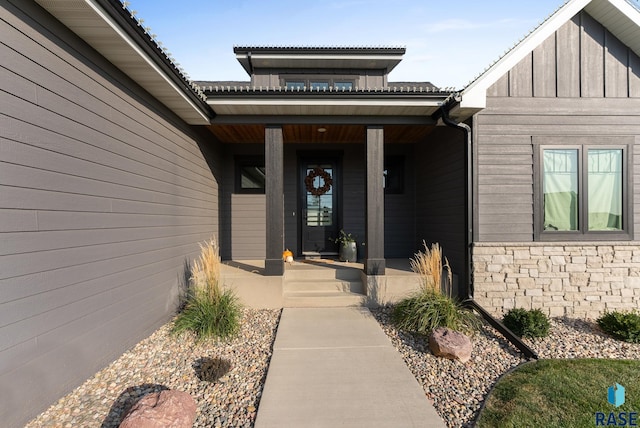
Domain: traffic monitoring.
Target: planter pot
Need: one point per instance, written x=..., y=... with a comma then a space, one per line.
x=349, y=252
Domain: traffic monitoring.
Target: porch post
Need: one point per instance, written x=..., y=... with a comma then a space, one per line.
x=274, y=192
x=374, y=263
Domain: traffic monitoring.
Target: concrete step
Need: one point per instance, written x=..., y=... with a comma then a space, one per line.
x=319, y=285
x=322, y=299
x=305, y=272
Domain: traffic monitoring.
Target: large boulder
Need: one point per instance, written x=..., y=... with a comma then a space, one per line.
x=163, y=409
x=451, y=344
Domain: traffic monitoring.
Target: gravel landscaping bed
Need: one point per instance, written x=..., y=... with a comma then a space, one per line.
x=164, y=361
x=458, y=390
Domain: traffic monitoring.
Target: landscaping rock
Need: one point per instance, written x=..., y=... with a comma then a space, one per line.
x=451, y=344
x=164, y=409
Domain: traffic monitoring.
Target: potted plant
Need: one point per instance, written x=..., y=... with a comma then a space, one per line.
x=348, y=248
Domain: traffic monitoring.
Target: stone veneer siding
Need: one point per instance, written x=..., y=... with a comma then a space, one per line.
x=573, y=279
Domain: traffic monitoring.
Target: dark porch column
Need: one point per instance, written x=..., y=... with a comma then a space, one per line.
x=274, y=190
x=374, y=263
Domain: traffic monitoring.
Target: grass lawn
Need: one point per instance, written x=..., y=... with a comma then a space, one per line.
x=561, y=393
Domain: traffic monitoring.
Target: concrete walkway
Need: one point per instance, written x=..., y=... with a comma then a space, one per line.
x=335, y=367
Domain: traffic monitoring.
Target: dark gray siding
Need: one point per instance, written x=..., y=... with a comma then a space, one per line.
x=582, y=81
x=400, y=209
x=440, y=201
x=103, y=197
x=242, y=222
x=242, y=216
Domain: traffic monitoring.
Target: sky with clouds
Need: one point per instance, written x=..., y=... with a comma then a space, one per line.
x=448, y=43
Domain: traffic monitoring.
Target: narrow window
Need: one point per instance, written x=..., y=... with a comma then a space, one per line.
x=560, y=188
x=604, y=182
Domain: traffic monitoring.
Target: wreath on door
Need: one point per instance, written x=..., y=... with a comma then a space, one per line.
x=311, y=178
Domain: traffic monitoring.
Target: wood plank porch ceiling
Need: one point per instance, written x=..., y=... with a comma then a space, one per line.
x=299, y=133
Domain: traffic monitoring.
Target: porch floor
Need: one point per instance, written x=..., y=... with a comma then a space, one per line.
x=318, y=283
x=394, y=267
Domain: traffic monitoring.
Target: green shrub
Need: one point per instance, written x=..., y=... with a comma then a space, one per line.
x=207, y=316
x=209, y=311
x=427, y=310
x=621, y=325
x=527, y=323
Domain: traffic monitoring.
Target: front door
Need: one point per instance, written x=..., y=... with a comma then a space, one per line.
x=319, y=184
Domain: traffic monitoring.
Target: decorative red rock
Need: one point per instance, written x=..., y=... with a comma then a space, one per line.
x=164, y=409
x=451, y=344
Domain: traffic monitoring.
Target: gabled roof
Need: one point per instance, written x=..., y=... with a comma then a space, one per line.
x=319, y=57
x=620, y=17
x=110, y=28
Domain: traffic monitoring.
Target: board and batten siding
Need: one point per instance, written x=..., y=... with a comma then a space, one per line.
x=104, y=196
x=581, y=81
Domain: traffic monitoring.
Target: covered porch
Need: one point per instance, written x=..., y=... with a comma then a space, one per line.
x=393, y=186
x=319, y=282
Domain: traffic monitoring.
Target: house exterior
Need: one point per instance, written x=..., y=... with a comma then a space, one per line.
x=114, y=166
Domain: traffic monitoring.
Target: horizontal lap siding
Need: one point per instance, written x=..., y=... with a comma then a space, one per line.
x=242, y=216
x=104, y=196
x=399, y=209
x=579, y=82
x=440, y=194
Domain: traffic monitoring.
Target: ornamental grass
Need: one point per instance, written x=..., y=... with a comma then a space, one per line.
x=209, y=310
x=433, y=305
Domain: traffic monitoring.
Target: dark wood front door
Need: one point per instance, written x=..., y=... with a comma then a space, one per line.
x=319, y=186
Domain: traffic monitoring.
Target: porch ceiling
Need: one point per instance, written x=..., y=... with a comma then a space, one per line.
x=309, y=133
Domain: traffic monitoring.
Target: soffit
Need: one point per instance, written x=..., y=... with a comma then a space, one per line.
x=89, y=20
x=279, y=102
x=309, y=133
x=319, y=58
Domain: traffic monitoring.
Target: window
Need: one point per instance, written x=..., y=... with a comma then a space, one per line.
x=583, y=193
x=319, y=86
x=343, y=86
x=393, y=174
x=317, y=82
x=292, y=85
x=250, y=175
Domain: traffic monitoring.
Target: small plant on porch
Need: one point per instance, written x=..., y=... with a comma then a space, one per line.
x=210, y=310
x=348, y=249
x=432, y=307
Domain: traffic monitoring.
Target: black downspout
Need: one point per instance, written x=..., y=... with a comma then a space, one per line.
x=467, y=294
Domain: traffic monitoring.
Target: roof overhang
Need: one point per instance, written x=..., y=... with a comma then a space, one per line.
x=320, y=104
x=318, y=58
x=110, y=29
x=620, y=17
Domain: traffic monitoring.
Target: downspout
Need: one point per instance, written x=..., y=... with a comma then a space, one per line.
x=467, y=295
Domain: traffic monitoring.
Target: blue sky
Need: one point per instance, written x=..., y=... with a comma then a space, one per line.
x=448, y=43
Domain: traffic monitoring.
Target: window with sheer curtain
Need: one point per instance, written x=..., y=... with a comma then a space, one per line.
x=583, y=190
